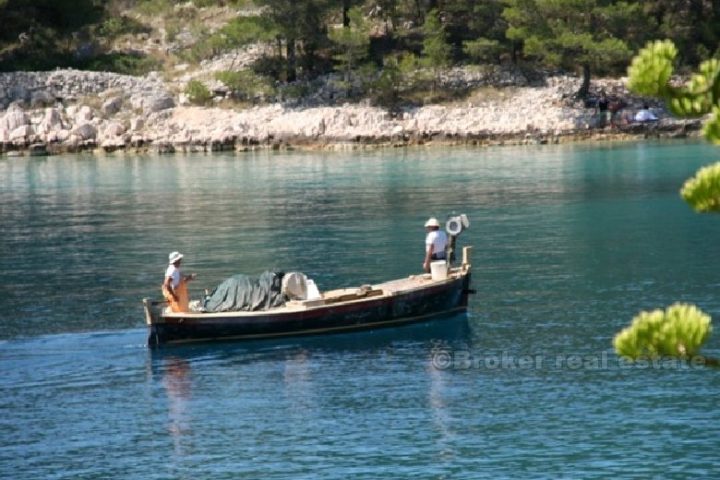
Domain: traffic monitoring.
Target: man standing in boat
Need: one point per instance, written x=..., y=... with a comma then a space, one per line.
x=174, y=287
x=435, y=243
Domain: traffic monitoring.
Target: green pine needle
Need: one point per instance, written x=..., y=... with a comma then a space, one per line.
x=678, y=331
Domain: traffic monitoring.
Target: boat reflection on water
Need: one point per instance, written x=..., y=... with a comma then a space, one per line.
x=299, y=388
x=296, y=374
x=438, y=403
x=177, y=381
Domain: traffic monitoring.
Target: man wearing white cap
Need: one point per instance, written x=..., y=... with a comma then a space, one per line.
x=435, y=243
x=174, y=287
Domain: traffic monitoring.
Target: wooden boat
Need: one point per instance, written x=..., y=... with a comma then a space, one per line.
x=413, y=299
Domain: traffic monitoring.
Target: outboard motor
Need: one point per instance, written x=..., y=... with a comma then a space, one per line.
x=454, y=226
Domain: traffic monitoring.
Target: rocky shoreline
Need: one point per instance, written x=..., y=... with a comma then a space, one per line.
x=71, y=111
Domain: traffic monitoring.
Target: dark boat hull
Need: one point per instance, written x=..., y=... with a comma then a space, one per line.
x=413, y=306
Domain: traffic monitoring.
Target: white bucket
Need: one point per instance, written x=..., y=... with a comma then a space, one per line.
x=438, y=270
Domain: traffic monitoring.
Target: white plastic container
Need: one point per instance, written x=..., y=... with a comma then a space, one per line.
x=438, y=270
x=312, y=291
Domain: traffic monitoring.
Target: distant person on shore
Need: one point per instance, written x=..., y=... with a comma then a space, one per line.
x=645, y=115
x=615, y=108
x=601, y=109
x=435, y=243
x=174, y=287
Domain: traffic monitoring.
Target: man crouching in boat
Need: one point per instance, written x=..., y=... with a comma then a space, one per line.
x=174, y=287
x=435, y=243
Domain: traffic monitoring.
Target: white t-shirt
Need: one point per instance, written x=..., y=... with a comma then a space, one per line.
x=645, y=115
x=174, y=272
x=438, y=240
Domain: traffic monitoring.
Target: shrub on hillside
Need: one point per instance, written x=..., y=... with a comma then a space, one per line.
x=198, y=93
x=245, y=84
x=154, y=7
x=122, y=25
x=119, y=62
x=238, y=32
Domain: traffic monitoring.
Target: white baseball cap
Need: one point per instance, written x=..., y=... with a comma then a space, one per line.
x=174, y=257
x=432, y=222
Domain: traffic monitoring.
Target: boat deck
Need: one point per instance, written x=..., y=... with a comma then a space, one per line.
x=342, y=295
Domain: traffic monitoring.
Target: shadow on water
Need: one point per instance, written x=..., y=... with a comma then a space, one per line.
x=451, y=330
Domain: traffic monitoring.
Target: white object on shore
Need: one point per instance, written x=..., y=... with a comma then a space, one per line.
x=438, y=270
x=645, y=115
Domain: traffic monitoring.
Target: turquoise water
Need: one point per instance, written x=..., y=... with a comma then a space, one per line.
x=569, y=243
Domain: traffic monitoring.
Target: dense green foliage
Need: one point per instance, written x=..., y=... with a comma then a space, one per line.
x=312, y=37
x=352, y=42
x=571, y=34
x=43, y=33
x=702, y=191
x=678, y=331
x=436, y=51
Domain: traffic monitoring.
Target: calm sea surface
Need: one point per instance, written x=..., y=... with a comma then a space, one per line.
x=570, y=243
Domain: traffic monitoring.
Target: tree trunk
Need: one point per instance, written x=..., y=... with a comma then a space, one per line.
x=585, y=88
x=515, y=50
x=345, y=10
x=291, y=61
x=419, y=13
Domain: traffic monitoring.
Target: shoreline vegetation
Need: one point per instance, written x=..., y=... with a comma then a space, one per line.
x=210, y=75
x=67, y=111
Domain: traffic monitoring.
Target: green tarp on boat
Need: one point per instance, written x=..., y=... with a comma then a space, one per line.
x=246, y=293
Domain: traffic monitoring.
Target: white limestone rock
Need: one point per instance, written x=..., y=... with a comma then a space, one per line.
x=84, y=115
x=21, y=133
x=137, y=123
x=158, y=102
x=85, y=131
x=14, y=117
x=113, y=129
x=57, y=136
x=114, y=143
x=41, y=98
x=111, y=106
x=52, y=120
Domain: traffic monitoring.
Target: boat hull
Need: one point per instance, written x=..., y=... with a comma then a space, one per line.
x=417, y=305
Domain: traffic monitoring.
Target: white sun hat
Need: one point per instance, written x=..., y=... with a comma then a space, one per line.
x=174, y=257
x=432, y=222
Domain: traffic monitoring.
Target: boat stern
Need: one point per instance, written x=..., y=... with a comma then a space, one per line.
x=153, y=318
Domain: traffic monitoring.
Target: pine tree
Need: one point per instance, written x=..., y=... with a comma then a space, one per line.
x=692, y=25
x=572, y=34
x=353, y=41
x=436, y=51
x=300, y=24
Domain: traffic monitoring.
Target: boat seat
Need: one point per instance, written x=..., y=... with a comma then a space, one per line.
x=360, y=293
